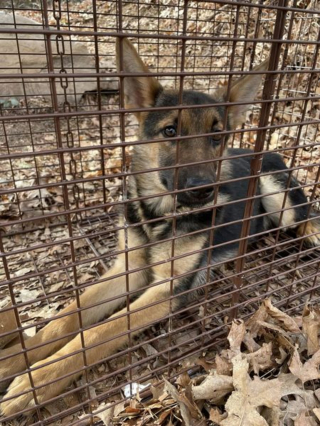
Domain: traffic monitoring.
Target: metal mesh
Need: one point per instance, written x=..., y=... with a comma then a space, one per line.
x=65, y=153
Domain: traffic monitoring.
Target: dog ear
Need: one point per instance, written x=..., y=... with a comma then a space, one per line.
x=244, y=89
x=140, y=92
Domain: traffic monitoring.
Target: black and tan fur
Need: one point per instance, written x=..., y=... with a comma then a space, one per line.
x=195, y=185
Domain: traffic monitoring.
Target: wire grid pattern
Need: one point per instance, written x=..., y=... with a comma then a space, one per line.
x=65, y=145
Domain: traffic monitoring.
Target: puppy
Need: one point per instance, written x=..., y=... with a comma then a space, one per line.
x=168, y=223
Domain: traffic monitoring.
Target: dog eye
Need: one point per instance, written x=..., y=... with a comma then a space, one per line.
x=215, y=139
x=169, y=131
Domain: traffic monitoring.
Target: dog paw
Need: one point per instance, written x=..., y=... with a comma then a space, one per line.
x=21, y=384
x=310, y=232
x=19, y=403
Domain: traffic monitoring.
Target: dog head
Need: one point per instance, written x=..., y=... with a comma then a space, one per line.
x=201, y=128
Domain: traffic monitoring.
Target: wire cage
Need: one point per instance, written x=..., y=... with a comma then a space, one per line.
x=66, y=142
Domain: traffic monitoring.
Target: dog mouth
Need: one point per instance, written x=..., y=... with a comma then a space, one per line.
x=198, y=194
x=189, y=198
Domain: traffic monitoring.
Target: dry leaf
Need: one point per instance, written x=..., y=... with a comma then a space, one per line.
x=236, y=335
x=306, y=401
x=183, y=380
x=289, y=385
x=27, y=295
x=294, y=408
x=317, y=412
x=250, y=343
x=206, y=365
x=163, y=416
x=189, y=411
x=253, y=324
x=271, y=415
x=303, y=420
x=149, y=350
x=214, y=387
x=274, y=327
x=249, y=395
x=223, y=366
x=157, y=391
x=132, y=411
x=310, y=326
x=22, y=271
x=285, y=320
x=119, y=408
x=307, y=371
x=216, y=416
x=262, y=358
x=105, y=413
x=283, y=356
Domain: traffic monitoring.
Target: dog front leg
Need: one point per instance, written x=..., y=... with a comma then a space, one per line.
x=109, y=337
x=62, y=327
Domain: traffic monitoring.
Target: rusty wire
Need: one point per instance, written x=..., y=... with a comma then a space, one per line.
x=62, y=131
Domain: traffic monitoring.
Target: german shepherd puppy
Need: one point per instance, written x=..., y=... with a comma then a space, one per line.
x=150, y=222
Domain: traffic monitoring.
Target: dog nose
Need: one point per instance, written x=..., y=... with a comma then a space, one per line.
x=199, y=193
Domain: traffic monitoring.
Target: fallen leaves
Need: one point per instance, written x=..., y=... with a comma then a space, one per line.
x=249, y=395
x=269, y=381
